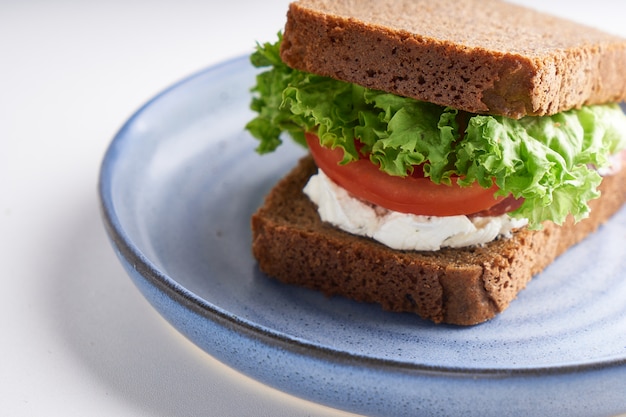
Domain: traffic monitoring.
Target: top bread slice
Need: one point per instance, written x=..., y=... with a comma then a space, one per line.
x=481, y=56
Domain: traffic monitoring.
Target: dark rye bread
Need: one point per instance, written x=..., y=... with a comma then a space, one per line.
x=458, y=286
x=481, y=56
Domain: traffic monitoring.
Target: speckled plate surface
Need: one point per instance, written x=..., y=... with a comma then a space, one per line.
x=178, y=185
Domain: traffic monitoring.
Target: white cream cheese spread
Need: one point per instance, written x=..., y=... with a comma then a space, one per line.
x=615, y=164
x=400, y=230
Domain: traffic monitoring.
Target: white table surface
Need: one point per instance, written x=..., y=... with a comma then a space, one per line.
x=77, y=337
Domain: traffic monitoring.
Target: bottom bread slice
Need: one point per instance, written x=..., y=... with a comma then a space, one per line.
x=458, y=286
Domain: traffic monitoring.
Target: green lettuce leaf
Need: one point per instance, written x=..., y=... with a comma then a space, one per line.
x=548, y=161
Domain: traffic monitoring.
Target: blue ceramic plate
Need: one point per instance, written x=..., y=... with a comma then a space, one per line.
x=178, y=186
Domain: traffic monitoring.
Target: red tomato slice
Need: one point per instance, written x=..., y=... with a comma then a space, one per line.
x=408, y=194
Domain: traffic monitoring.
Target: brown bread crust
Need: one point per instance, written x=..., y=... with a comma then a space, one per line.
x=481, y=56
x=459, y=286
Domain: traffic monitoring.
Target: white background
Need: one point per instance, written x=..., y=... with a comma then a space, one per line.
x=77, y=337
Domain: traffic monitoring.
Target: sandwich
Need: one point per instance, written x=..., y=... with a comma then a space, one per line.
x=456, y=149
